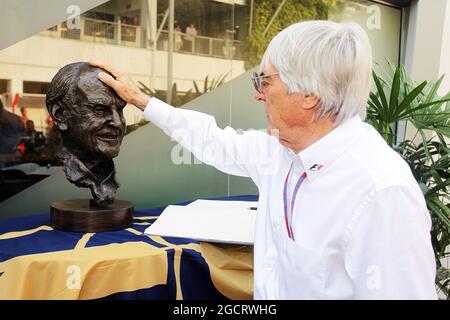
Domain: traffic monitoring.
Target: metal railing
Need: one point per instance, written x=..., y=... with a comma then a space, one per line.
x=200, y=45
x=94, y=30
x=101, y=31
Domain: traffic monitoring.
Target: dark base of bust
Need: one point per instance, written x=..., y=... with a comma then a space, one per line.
x=80, y=216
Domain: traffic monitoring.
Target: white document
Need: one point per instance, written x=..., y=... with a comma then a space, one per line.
x=212, y=223
x=224, y=204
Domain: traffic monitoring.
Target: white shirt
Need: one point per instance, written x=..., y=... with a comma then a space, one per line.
x=360, y=223
x=190, y=33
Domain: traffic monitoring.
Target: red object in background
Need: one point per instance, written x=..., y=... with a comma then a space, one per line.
x=21, y=148
x=14, y=103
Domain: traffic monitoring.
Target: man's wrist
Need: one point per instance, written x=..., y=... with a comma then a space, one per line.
x=142, y=101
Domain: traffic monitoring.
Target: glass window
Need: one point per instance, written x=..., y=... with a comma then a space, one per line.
x=215, y=43
x=35, y=87
x=4, y=84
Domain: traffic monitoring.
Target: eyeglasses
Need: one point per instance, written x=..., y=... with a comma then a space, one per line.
x=258, y=79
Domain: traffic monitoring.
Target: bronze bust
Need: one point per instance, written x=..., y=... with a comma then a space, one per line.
x=89, y=116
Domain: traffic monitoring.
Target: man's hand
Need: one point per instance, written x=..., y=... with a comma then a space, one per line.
x=123, y=85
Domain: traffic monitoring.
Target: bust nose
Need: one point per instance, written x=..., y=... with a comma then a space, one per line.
x=116, y=120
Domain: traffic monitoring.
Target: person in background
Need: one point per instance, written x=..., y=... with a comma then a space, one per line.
x=11, y=132
x=178, y=39
x=53, y=140
x=228, y=47
x=236, y=32
x=23, y=116
x=29, y=127
x=191, y=33
x=33, y=142
x=135, y=20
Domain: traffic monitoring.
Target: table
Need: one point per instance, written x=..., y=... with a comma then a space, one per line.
x=38, y=262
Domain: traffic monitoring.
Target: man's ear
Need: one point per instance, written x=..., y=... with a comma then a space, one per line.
x=310, y=101
x=59, y=116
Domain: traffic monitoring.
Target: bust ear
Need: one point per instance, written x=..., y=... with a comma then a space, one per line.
x=59, y=116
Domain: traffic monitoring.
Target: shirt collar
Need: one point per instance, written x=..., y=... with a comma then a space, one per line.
x=321, y=154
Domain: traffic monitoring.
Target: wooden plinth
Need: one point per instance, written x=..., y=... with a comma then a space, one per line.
x=79, y=216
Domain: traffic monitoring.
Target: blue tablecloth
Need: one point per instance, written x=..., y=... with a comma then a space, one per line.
x=37, y=262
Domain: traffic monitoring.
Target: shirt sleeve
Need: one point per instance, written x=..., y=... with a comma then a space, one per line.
x=245, y=154
x=389, y=254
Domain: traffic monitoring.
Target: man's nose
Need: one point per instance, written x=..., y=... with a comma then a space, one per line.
x=116, y=120
x=260, y=96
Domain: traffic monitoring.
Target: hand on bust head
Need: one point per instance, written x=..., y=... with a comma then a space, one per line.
x=123, y=85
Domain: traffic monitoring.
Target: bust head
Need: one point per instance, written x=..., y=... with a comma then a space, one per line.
x=88, y=113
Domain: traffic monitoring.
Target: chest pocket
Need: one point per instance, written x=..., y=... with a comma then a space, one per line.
x=300, y=271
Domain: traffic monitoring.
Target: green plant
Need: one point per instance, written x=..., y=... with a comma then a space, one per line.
x=180, y=98
x=292, y=11
x=209, y=86
x=399, y=98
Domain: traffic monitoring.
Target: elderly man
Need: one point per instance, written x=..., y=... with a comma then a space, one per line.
x=89, y=116
x=340, y=216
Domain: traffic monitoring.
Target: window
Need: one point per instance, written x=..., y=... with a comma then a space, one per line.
x=4, y=86
x=35, y=87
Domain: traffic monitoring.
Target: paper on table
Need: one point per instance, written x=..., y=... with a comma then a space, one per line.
x=224, y=204
x=213, y=224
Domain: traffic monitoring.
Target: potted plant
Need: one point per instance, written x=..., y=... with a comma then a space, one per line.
x=396, y=99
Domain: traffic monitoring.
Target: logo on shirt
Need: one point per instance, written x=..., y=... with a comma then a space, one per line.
x=316, y=167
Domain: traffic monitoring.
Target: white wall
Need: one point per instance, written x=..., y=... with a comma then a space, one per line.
x=428, y=40
x=427, y=52
x=444, y=65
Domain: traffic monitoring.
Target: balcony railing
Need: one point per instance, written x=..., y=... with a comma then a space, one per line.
x=101, y=31
x=200, y=45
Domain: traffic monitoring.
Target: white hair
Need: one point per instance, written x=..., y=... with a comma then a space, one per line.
x=330, y=60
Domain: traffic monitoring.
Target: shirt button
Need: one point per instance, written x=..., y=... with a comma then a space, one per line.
x=268, y=264
x=277, y=224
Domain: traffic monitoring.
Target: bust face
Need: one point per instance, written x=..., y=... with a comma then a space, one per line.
x=96, y=123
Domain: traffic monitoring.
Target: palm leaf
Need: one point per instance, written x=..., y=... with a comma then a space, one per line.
x=205, y=85
x=393, y=99
x=380, y=91
x=439, y=187
x=403, y=106
x=196, y=87
x=436, y=206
